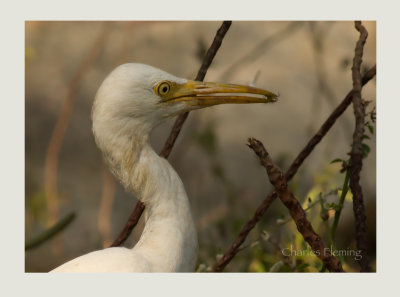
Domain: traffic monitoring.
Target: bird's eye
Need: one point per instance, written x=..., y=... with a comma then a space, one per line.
x=163, y=88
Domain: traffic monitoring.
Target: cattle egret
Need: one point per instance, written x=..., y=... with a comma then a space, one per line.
x=131, y=101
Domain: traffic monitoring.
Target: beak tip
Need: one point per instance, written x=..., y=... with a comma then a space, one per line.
x=272, y=98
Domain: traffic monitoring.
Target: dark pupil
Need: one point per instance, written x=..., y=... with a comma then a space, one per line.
x=165, y=89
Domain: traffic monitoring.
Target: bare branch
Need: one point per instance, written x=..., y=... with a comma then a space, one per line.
x=326, y=126
x=312, y=143
x=298, y=214
x=356, y=152
x=129, y=225
x=207, y=60
x=176, y=129
x=50, y=232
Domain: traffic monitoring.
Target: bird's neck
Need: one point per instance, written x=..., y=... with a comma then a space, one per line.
x=169, y=237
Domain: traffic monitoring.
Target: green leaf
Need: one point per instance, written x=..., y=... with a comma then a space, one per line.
x=336, y=161
x=333, y=206
x=302, y=266
x=365, y=136
x=365, y=150
x=370, y=128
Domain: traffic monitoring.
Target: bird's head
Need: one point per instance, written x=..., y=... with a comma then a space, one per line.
x=146, y=96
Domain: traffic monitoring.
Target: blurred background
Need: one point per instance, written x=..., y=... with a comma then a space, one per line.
x=307, y=63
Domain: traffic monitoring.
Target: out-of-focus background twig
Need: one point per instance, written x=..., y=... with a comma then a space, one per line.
x=60, y=128
x=227, y=184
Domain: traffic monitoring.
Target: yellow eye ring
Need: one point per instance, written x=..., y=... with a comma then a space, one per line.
x=163, y=88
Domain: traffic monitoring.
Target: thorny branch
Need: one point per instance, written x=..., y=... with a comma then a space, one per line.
x=323, y=130
x=176, y=129
x=298, y=214
x=356, y=152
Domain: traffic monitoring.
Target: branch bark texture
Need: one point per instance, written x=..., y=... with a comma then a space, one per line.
x=298, y=214
x=357, y=152
x=207, y=60
x=129, y=225
x=312, y=143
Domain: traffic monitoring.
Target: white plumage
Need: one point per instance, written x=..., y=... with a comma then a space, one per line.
x=131, y=101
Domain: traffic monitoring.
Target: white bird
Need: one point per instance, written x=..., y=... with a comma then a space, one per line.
x=131, y=101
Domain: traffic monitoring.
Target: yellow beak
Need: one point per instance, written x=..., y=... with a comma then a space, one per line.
x=203, y=94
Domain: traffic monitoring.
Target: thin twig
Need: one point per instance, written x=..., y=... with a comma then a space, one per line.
x=326, y=126
x=261, y=48
x=298, y=214
x=129, y=225
x=356, y=152
x=290, y=262
x=321, y=198
x=51, y=232
x=323, y=88
x=286, y=259
x=176, y=129
x=208, y=58
x=338, y=212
